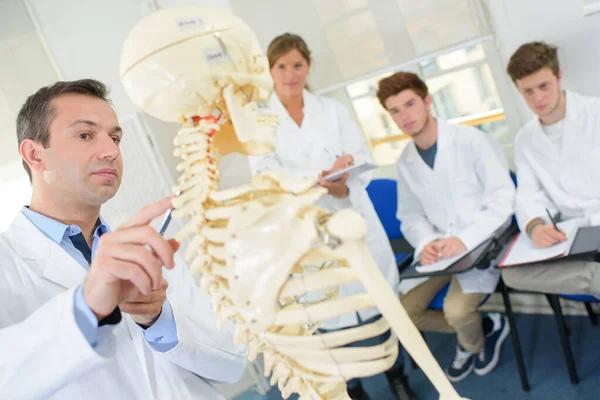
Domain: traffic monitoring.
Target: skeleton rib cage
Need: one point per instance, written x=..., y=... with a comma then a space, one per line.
x=278, y=322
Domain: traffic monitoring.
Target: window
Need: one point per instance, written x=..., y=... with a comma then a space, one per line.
x=354, y=43
x=435, y=24
x=351, y=38
x=462, y=89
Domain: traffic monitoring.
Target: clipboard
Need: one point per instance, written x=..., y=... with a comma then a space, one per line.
x=353, y=170
x=584, y=245
x=466, y=262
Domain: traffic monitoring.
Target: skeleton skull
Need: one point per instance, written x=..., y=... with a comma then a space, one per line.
x=179, y=63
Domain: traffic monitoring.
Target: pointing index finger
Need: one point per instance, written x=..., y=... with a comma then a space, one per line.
x=148, y=213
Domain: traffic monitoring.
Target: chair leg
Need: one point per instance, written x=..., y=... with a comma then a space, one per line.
x=564, y=336
x=515, y=339
x=591, y=314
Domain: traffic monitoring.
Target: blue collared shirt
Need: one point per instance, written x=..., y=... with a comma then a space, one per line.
x=162, y=335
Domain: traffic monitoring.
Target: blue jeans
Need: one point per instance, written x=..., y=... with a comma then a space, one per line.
x=374, y=341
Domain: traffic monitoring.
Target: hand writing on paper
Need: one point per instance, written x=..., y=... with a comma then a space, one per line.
x=451, y=247
x=546, y=236
x=340, y=163
x=430, y=253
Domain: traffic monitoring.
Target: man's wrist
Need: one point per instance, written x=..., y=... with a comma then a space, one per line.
x=344, y=193
x=147, y=325
x=100, y=315
x=532, y=227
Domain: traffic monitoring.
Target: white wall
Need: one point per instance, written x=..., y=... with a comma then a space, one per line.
x=24, y=67
x=559, y=22
x=15, y=189
x=86, y=37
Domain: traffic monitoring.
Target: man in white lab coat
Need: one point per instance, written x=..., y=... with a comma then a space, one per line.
x=454, y=192
x=86, y=313
x=558, y=169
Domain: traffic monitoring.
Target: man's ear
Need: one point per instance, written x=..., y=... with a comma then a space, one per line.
x=559, y=76
x=428, y=100
x=32, y=153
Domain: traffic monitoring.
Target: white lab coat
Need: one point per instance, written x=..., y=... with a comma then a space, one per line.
x=468, y=194
x=327, y=131
x=564, y=179
x=44, y=355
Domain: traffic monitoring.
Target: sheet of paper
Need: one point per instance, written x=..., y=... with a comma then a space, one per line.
x=523, y=251
x=446, y=262
x=439, y=265
x=354, y=170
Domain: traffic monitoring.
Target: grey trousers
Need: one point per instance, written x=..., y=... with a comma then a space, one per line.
x=567, y=277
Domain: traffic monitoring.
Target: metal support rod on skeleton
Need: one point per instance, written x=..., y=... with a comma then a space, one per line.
x=263, y=246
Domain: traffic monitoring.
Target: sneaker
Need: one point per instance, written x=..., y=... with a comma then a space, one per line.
x=461, y=366
x=488, y=357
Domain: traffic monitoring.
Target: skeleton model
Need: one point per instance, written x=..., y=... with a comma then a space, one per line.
x=261, y=248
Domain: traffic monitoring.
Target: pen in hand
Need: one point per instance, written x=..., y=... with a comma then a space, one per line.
x=552, y=219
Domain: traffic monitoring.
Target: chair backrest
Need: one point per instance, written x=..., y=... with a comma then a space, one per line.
x=513, y=176
x=384, y=196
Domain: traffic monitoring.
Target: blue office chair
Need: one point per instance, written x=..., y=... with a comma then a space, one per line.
x=587, y=302
x=384, y=196
x=563, y=331
x=438, y=301
x=505, y=290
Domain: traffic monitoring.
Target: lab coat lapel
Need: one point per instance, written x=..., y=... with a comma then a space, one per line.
x=432, y=179
x=32, y=245
x=298, y=143
x=313, y=129
x=444, y=170
x=574, y=129
x=424, y=174
x=543, y=145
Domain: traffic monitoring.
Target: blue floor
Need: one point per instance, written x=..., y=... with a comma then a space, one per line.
x=544, y=361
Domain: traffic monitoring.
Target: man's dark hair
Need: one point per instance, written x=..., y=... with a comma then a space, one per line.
x=35, y=117
x=532, y=57
x=399, y=82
